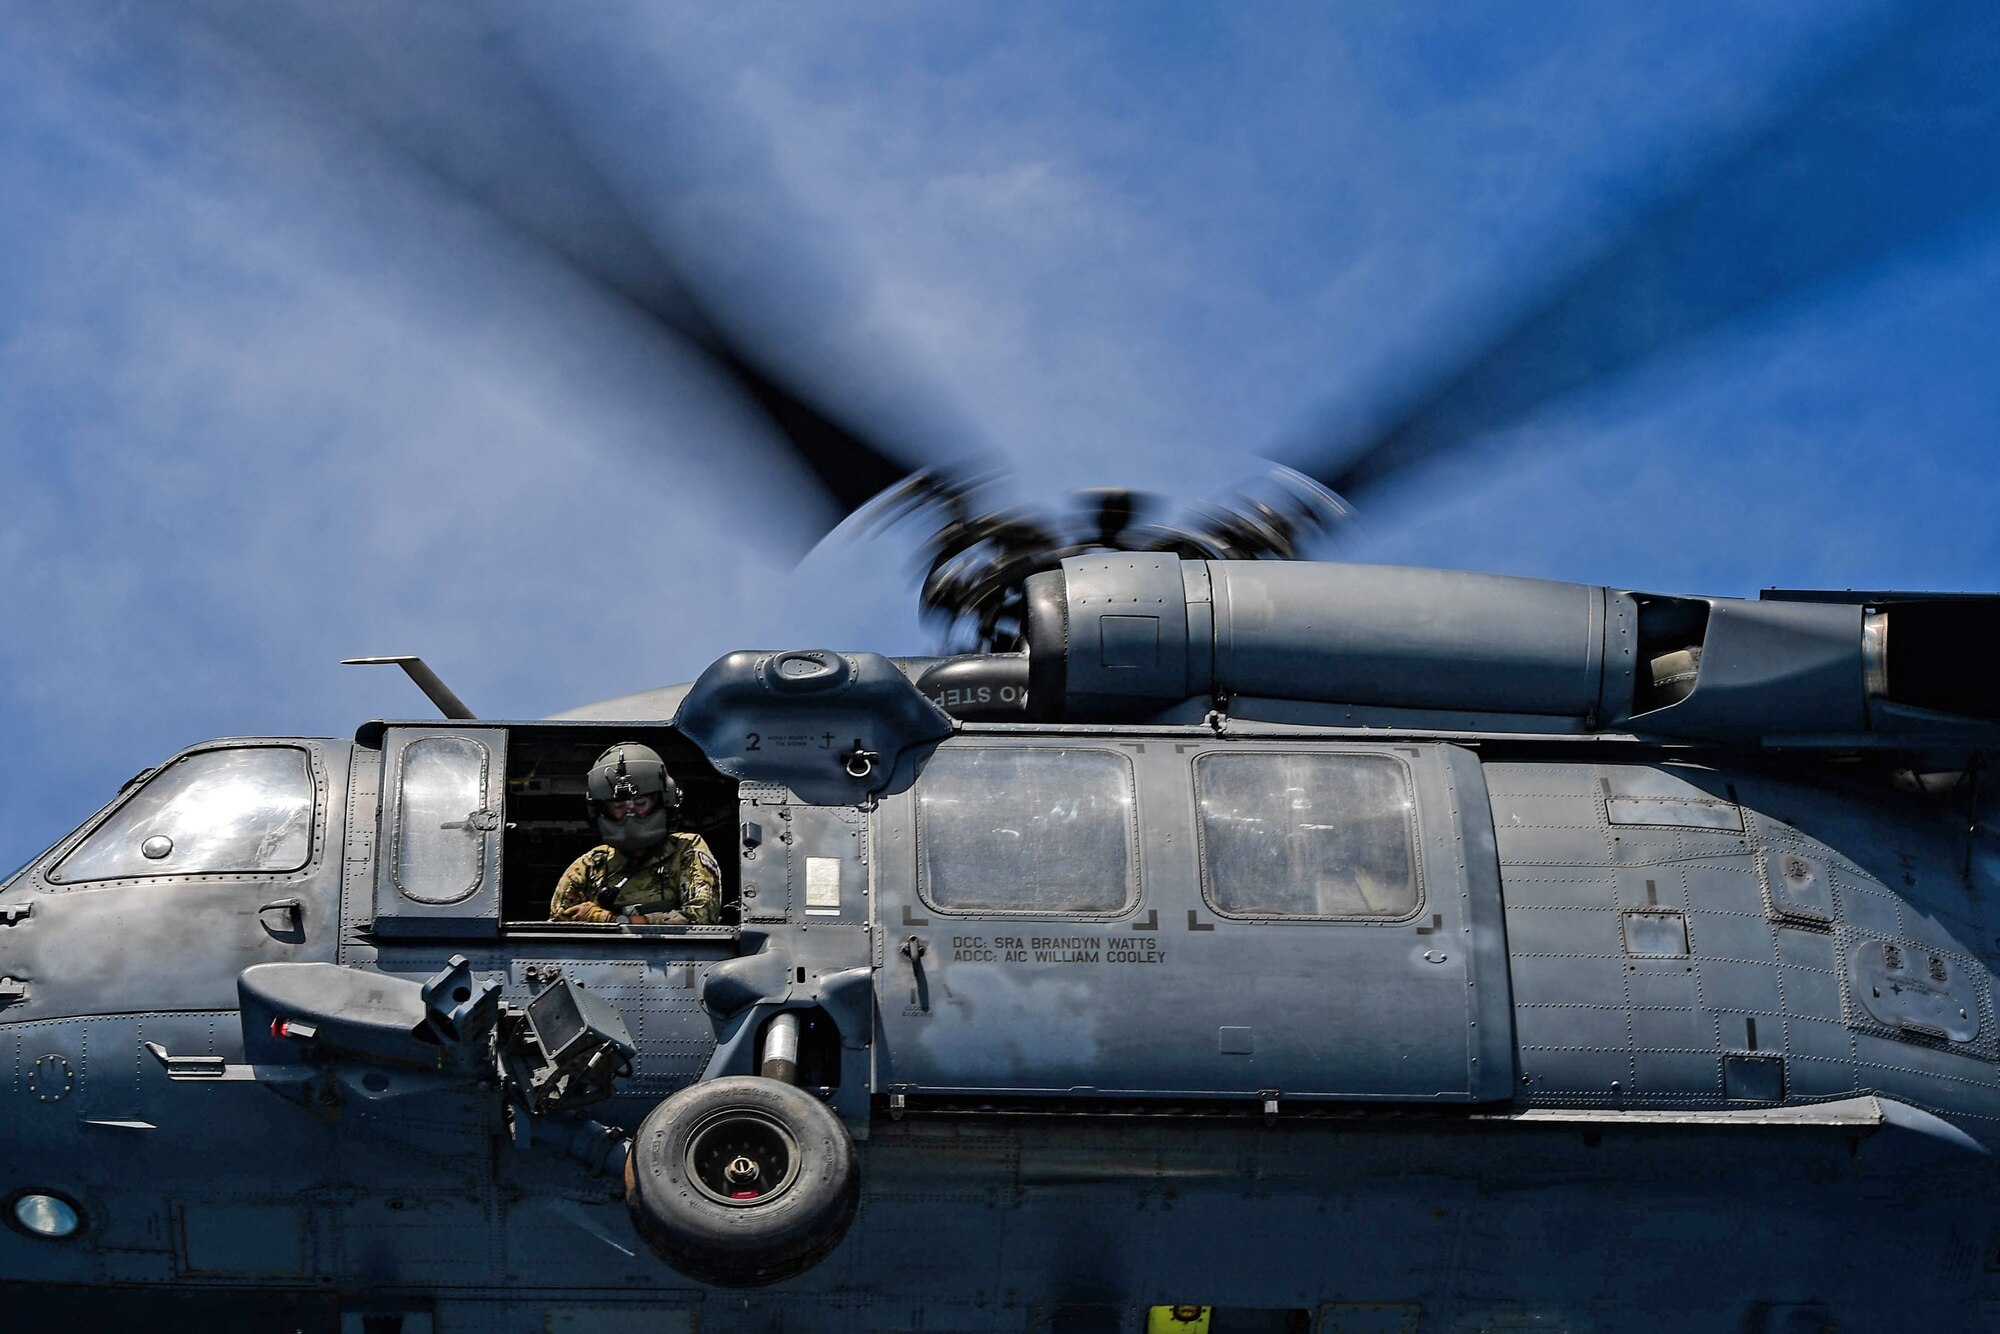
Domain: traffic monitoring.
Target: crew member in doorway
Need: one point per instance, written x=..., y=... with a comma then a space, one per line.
x=642, y=872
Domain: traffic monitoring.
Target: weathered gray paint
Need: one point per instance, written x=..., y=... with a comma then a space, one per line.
x=1175, y=999
x=1625, y=1155
x=1134, y=635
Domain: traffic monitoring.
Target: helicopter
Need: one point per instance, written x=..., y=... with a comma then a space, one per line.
x=1243, y=943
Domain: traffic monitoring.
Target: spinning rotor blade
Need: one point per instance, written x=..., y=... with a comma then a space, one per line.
x=1110, y=511
x=1892, y=150
x=444, y=87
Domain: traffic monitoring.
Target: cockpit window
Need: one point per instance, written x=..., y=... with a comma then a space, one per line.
x=1307, y=835
x=1028, y=829
x=216, y=812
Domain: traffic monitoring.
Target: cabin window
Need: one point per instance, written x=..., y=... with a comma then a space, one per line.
x=1027, y=829
x=216, y=812
x=1307, y=835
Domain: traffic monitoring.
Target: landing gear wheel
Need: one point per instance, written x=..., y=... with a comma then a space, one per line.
x=741, y=1182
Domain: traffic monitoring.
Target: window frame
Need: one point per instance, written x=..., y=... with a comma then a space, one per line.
x=727, y=806
x=1133, y=878
x=399, y=830
x=1411, y=826
x=50, y=862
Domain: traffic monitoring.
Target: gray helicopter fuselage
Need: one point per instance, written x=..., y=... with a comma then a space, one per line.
x=1321, y=945
x=1580, y=1032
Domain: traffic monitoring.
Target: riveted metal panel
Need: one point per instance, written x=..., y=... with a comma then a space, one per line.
x=1128, y=629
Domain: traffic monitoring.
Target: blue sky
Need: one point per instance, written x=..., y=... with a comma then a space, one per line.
x=271, y=397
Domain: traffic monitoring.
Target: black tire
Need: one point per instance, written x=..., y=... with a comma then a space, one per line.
x=790, y=1208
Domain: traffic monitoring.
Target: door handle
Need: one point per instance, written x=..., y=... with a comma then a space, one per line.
x=914, y=950
x=291, y=907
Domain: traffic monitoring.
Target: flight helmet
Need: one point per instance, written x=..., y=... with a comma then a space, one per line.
x=623, y=772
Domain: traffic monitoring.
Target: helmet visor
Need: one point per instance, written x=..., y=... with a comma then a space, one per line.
x=626, y=807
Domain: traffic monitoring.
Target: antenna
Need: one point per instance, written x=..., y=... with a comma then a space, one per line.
x=435, y=690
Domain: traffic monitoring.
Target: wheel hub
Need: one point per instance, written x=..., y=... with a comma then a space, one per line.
x=742, y=1157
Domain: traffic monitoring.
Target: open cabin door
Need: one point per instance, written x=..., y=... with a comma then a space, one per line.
x=1192, y=918
x=437, y=865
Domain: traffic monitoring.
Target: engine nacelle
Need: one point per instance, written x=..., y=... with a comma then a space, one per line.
x=1131, y=635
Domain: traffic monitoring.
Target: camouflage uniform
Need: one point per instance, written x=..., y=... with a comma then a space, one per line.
x=678, y=876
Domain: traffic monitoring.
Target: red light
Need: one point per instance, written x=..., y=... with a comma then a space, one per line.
x=281, y=1028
